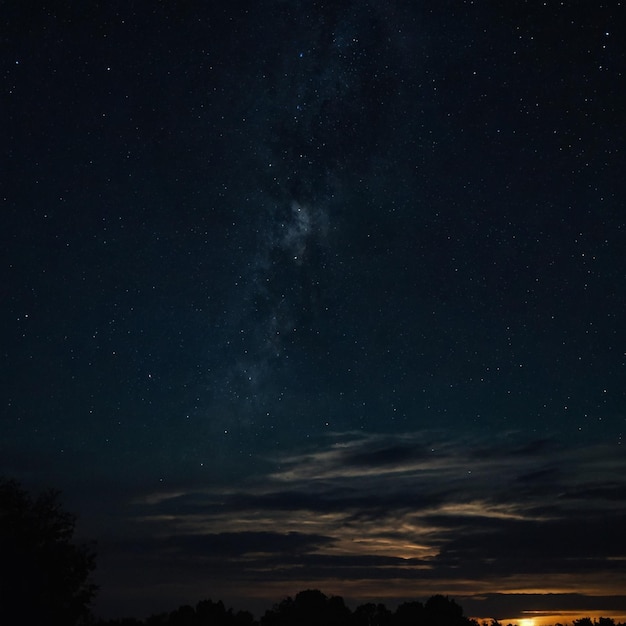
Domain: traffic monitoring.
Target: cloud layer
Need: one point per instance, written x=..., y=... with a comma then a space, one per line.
x=398, y=517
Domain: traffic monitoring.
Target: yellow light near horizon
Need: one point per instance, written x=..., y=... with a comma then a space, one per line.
x=551, y=619
x=514, y=621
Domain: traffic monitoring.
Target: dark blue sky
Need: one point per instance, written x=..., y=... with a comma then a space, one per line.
x=302, y=294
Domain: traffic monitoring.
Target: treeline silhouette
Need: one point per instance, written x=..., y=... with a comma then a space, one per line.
x=314, y=608
x=44, y=576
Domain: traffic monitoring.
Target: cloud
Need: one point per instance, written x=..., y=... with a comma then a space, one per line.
x=563, y=543
x=217, y=546
x=385, y=456
x=498, y=604
x=412, y=508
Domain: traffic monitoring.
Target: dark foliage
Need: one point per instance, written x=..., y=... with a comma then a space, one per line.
x=44, y=577
x=206, y=613
x=313, y=608
x=308, y=608
x=371, y=614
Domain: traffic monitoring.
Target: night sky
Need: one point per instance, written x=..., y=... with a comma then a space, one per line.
x=304, y=294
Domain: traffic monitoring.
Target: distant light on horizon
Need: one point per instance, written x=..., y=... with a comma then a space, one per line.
x=551, y=618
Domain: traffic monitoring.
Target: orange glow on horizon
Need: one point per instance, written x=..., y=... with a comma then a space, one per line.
x=545, y=618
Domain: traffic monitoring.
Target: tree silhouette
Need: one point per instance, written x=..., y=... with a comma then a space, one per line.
x=371, y=614
x=410, y=614
x=441, y=611
x=209, y=612
x=313, y=608
x=309, y=608
x=44, y=577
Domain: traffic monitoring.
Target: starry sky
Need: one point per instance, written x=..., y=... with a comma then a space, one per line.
x=304, y=294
